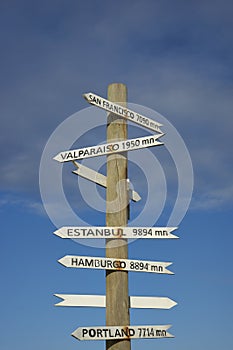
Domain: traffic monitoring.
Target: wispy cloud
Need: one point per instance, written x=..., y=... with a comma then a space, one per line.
x=8, y=201
x=213, y=199
x=177, y=64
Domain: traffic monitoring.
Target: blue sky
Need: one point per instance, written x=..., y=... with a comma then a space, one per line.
x=176, y=59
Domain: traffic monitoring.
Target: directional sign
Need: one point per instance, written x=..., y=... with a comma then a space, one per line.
x=122, y=111
x=115, y=232
x=122, y=332
x=99, y=179
x=136, y=302
x=109, y=148
x=87, y=262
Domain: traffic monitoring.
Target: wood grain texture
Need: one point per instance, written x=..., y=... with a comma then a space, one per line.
x=117, y=296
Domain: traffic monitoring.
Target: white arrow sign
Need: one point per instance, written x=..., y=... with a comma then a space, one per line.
x=136, y=302
x=115, y=232
x=99, y=179
x=109, y=148
x=87, y=262
x=122, y=111
x=122, y=332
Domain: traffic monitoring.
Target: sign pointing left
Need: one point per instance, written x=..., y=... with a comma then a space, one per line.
x=109, y=148
x=115, y=232
x=121, y=332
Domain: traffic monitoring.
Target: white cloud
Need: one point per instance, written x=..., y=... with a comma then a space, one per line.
x=213, y=199
x=170, y=65
x=8, y=201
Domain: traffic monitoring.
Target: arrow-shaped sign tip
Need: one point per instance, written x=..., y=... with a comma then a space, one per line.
x=173, y=303
x=61, y=261
x=57, y=158
x=86, y=96
x=57, y=233
x=75, y=335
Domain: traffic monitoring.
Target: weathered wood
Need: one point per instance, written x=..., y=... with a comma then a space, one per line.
x=117, y=299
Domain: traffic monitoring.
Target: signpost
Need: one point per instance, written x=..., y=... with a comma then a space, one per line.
x=109, y=148
x=118, y=332
x=122, y=332
x=135, y=302
x=99, y=179
x=115, y=232
x=122, y=111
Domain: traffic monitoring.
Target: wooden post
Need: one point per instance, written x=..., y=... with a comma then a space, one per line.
x=117, y=296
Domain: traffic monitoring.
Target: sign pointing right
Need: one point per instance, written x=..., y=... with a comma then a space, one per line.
x=137, y=302
x=98, y=178
x=126, y=113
